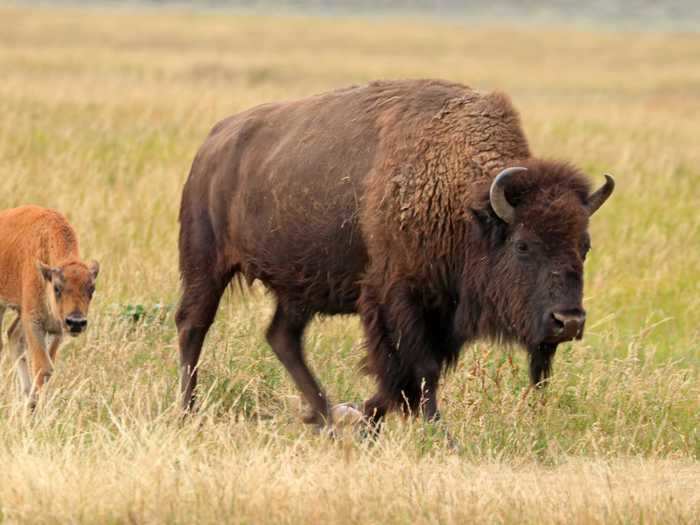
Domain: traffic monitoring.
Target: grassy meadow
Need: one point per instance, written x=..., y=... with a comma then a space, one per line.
x=101, y=113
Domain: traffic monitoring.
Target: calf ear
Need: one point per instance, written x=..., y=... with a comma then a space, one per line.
x=46, y=271
x=94, y=268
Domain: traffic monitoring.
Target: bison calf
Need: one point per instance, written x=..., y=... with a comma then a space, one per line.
x=44, y=280
x=416, y=204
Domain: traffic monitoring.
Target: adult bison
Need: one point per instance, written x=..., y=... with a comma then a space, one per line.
x=416, y=204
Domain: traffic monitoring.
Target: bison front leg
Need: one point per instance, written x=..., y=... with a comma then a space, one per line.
x=194, y=317
x=401, y=355
x=540, y=361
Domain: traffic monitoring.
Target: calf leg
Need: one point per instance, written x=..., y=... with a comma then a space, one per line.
x=16, y=340
x=2, y=314
x=41, y=367
x=285, y=337
x=54, y=343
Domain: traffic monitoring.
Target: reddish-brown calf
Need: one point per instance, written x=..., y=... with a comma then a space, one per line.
x=44, y=280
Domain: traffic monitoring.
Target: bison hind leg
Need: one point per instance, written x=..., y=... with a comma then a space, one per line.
x=285, y=337
x=194, y=317
x=204, y=280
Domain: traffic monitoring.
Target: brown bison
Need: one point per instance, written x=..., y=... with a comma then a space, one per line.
x=42, y=278
x=416, y=204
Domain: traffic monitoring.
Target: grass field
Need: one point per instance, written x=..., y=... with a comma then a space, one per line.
x=101, y=113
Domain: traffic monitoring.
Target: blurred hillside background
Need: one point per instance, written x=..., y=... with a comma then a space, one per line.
x=632, y=14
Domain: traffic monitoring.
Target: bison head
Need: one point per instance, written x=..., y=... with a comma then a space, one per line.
x=69, y=291
x=538, y=230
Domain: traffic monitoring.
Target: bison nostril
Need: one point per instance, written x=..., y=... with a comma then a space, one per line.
x=557, y=323
x=568, y=324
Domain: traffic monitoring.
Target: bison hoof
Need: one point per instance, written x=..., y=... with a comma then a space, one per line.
x=311, y=419
x=346, y=414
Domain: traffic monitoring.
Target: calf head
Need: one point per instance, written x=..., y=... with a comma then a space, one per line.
x=538, y=228
x=69, y=290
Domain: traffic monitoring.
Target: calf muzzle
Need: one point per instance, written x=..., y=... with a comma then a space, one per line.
x=76, y=325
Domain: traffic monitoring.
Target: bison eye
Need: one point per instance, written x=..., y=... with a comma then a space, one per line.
x=522, y=248
x=57, y=291
x=90, y=291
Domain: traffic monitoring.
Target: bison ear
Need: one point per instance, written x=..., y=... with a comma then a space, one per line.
x=46, y=271
x=484, y=218
x=94, y=268
x=489, y=225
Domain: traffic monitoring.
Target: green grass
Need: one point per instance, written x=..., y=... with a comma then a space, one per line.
x=101, y=113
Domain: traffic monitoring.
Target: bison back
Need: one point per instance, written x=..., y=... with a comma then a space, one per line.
x=279, y=189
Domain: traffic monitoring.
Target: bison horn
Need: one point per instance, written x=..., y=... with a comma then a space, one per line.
x=497, y=195
x=598, y=198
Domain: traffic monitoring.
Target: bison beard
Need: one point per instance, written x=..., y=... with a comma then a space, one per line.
x=416, y=204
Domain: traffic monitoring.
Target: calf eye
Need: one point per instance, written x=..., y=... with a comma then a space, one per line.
x=90, y=291
x=57, y=291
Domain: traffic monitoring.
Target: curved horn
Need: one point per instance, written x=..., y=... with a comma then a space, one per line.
x=598, y=197
x=497, y=194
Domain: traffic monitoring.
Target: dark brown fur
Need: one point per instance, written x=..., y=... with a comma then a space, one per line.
x=374, y=200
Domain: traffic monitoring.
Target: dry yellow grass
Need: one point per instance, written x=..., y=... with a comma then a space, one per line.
x=100, y=115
